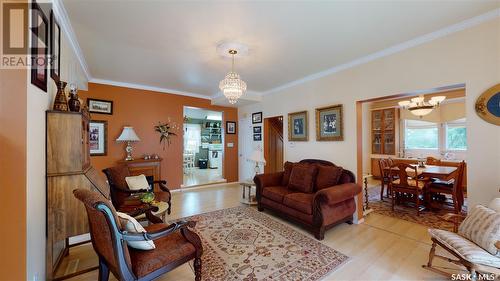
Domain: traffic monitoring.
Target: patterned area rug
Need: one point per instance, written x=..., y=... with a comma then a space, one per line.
x=242, y=244
x=408, y=213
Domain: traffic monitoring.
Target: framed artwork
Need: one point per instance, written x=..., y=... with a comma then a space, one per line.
x=298, y=126
x=100, y=106
x=230, y=127
x=329, y=123
x=488, y=105
x=55, y=48
x=257, y=137
x=98, y=137
x=257, y=130
x=257, y=117
x=39, y=50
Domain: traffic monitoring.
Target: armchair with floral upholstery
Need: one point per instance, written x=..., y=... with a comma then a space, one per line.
x=475, y=242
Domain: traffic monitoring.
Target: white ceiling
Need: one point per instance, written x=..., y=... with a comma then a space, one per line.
x=172, y=44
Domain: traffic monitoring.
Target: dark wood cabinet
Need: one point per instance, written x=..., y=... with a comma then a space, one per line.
x=68, y=168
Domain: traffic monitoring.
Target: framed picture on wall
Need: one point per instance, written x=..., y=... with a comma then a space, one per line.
x=100, y=106
x=98, y=137
x=329, y=123
x=230, y=127
x=257, y=130
x=257, y=137
x=55, y=48
x=39, y=49
x=297, y=126
x=256, y=117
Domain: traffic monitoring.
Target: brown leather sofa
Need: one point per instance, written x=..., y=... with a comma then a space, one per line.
x=315, y=193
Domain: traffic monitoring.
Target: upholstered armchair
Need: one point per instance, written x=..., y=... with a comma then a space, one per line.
x=119, y=190
x=474, y=243
x=175, y=244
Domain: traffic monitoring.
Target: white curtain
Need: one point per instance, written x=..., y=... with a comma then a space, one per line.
x=192, y=138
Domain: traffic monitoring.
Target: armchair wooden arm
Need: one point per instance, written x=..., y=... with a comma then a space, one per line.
x=456, y=219
x=159, y=233
x=497, y=244
x=162, y=184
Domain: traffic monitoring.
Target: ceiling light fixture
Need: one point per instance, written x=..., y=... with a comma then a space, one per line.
x=417, y=106
x=232, y=86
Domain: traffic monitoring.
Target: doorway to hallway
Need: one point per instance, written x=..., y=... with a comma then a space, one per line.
x=273, y=144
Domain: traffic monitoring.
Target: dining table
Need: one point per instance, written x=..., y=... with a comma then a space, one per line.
x=429, y=171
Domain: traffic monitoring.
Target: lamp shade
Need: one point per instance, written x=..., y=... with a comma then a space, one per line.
x=128, y=134
x=257, y=156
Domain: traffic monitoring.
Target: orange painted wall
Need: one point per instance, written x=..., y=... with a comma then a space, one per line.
x=13, y=118
x=142, y=110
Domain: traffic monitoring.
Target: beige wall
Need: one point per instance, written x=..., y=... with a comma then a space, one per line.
x=38, y=102
x=470, y=56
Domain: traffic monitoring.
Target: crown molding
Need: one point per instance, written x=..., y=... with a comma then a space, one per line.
x=64, y=22
x=392, y=50
x=148, y=88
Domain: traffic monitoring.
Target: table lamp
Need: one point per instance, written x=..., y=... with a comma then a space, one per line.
x=128, y=135
x=258, y=157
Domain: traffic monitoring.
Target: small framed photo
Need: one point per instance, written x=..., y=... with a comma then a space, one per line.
x=230, y=127
x=257, y=137
x=39, y=49
x=98, y=137
x=329, y=123
x=297, y=126
x=257, y=117
x=100, y=106
x=55, y=48
x=257, y=130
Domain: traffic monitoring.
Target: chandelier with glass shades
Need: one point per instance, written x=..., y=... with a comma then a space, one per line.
x=419, y=107
x=232, y=86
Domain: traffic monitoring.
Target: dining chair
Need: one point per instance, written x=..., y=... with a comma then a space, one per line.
x=405, y=186
x=384, y=177
x=452, y=187
x=432, y=161
x=175, y=244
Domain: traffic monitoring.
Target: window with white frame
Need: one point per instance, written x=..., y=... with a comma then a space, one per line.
x=456, y=135
x=421, y=135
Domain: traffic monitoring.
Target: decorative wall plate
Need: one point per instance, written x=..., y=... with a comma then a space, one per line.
x=488, y=105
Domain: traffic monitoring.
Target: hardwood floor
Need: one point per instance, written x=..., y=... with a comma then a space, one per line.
x=381, y=248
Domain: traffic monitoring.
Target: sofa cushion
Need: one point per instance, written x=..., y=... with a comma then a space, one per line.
x=286, y=174
x=275, y=193
x=327, y=176
x=465, y=248
x=482, y=226
x=300, y=202
x=302, y=178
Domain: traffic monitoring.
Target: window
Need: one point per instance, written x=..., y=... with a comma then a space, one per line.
x=456, y=135
x=421, y=135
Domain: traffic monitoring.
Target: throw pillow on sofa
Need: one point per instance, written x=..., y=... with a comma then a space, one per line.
x=287, y=172
x=328, y=176
x=302, y=178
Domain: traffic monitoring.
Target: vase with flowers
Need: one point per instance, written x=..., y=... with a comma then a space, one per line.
x=166, y=130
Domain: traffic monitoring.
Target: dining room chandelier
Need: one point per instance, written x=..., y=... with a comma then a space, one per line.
x=419, y=107
x=232, y=86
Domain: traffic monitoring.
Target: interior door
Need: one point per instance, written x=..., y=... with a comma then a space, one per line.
x=273, y=144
